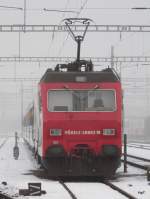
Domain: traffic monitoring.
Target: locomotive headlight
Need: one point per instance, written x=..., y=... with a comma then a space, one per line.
x=55, y=132
x=109, y=132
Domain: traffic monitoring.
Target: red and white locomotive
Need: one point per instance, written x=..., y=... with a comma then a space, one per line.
x=75, y=124
x=76, y=128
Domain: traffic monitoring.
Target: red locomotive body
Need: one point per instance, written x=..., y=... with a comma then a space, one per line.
x=78, y=123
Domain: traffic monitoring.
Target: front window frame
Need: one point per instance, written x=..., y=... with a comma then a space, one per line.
x=70, y=89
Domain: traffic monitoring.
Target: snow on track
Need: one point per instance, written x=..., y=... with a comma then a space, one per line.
x=93, y=191
x=17, y=173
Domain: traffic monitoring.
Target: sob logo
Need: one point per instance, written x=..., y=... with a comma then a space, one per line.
x=82, y=132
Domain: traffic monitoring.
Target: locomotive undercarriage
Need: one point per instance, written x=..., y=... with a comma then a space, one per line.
x=102, y=167
x=82, y=163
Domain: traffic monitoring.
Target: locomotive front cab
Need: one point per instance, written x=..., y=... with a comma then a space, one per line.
x=81, y=120
x=86, y=114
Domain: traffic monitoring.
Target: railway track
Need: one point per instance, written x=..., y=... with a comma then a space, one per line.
x=139, y=158
x=116, y=188
x=111, y=185
x=139, y=146
x=137, y=165
x=68, y=190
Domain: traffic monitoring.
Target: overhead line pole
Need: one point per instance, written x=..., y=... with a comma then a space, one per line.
x=25, y=15
x=112, y=56
x=21, y=90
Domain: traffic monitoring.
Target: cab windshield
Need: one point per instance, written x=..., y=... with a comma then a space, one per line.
x=81, y=100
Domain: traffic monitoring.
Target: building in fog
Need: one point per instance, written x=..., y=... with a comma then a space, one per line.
x=134, y=127
x=147, y=127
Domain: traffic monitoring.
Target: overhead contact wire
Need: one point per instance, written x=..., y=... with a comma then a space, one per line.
x=64, y=42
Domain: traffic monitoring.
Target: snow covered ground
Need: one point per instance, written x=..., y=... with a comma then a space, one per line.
x=136, y=183
x=2, y=140
x=139, y=152
x=18, y=173
x=93, y=191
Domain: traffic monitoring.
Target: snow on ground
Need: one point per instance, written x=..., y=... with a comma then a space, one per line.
x=136, y=186
x=17, y=174
x=135, y=180
x=2, y=139
x=11, y=168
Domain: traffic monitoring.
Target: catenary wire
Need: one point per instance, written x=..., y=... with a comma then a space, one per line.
x=64, y=42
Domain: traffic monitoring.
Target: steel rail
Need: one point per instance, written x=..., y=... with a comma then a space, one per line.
x=106, y=182
x=139, y=147
x=138, y=158
x=68, y=190
x=75, y=28
x=137, y=165
x=119, y=190
x=131, y=141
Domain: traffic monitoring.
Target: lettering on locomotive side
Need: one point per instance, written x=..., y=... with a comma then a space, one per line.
x=82, y=132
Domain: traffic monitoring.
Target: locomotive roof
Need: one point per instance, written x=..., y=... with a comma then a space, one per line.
x=106, y=75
